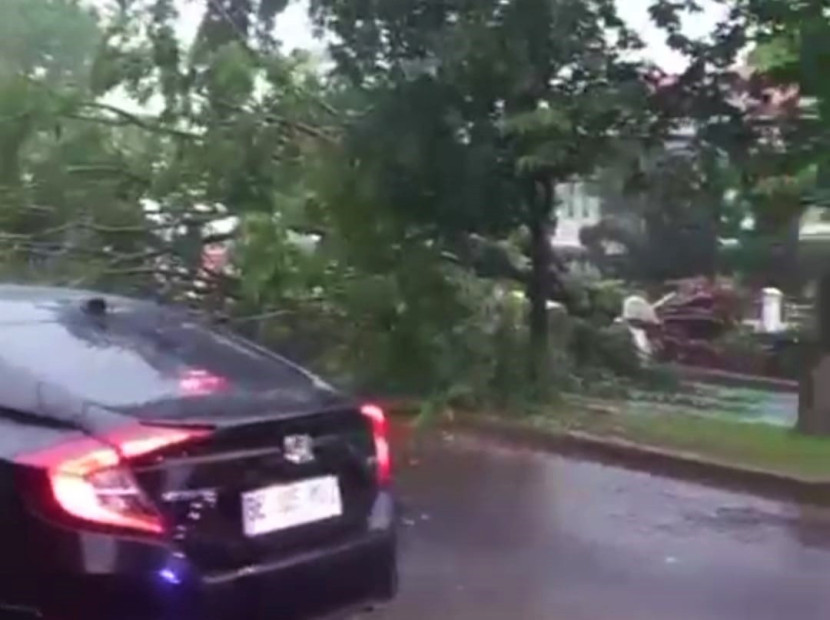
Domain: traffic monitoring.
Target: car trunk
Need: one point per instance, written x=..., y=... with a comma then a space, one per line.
x=200, y=487
x=159, y=367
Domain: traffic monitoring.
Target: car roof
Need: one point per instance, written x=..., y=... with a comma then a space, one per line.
x=22, y=302
x=57, y=359
x=33, y=294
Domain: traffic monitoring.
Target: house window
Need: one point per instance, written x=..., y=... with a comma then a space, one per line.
x=590, y=203
x=583, y=202
x=566, y=193
x=588, y=206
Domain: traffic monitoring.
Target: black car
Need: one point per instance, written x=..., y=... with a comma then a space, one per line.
x=154, y=466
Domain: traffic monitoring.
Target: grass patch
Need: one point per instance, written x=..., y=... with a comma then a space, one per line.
x=754, y=445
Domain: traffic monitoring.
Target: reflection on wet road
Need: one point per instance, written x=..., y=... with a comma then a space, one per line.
x=493, y=532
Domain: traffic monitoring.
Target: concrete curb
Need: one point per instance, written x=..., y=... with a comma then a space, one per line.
x=734, y=379
x=645, y=458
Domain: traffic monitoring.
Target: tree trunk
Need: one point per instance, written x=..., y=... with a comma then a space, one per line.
x=540, y=201
x=814, y=392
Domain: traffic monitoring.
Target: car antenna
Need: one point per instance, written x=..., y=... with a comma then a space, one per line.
x=96, y=306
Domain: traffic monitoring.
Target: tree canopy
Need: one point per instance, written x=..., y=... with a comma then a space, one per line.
x=480, y=109
x=389, y=198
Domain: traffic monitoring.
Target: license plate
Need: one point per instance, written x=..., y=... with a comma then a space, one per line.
x=288, y=505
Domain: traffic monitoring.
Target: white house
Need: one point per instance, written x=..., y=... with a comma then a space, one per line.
x=577, y=206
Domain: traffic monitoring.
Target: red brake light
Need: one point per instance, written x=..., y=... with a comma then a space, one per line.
x=196, y=382
x=89, y=480
x=380, y=435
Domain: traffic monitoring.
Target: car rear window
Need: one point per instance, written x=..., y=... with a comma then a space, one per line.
x=130, y=360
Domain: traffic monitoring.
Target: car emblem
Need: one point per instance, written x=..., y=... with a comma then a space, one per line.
x=298, y=449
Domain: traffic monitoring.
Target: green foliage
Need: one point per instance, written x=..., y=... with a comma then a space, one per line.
x=375, y=212
x=69, y=187
x=669, y=206
x=49, y=41
x=742, y=350
x=100, y=195
x=383, y=312
x=479, y=109
x=421, y=328
x=602, y=349
x=791, y=52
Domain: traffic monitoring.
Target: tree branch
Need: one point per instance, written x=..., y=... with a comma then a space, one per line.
x=128, y=118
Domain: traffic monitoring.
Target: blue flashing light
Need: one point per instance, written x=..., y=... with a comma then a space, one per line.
x=170, y=576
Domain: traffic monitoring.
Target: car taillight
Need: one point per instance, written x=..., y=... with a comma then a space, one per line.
x=89, y=480
x=196, y=382
x=380, y=435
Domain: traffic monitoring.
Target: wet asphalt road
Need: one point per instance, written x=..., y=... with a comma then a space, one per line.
x=495, y=532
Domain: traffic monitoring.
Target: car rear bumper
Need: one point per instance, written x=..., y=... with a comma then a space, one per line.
x=153, y=582
x=316, y=582
x=353, y=575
